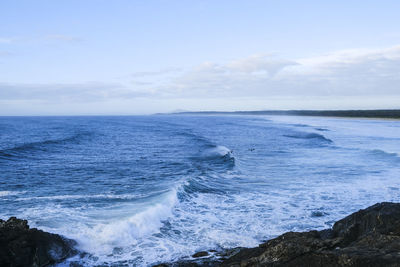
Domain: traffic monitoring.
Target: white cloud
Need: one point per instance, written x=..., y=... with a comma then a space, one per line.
x=81, y=92
x=165, y=71
x=344, y=79
x=343, y=73
x=259, y=63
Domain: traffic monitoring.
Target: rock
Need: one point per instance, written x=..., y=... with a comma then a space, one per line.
x=317, y=214
x=200, y=254
x=369, y=237
x=22, y=246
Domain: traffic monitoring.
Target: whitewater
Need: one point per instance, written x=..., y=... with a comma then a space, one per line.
x=141, y=190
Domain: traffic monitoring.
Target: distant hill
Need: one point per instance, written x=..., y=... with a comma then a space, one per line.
x=378, y=113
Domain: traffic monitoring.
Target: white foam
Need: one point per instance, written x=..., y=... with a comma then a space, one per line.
x=218, y=151
x=101, y=239
x=66, y=197
x=10, y=193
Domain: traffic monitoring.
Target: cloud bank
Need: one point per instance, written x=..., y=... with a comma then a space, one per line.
x=351, y=77
x=344, y=73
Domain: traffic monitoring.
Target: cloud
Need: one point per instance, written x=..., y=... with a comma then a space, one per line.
x=350, y=77
x=141, y=74
x=83, y=92
x=343, y=73
x=260, y=63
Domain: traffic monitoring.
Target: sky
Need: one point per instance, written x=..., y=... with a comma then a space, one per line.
x=94, y=57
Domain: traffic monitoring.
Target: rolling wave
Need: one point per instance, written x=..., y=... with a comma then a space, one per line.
x=39, y=145
x=123, y=233
x=322, y=129
x=193, y=136
x=217, y=152
x=383, y=154
x=208, y=152
x=215, y=156
x=313, y=136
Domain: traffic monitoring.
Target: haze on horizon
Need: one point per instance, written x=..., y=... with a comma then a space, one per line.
x=139, y=57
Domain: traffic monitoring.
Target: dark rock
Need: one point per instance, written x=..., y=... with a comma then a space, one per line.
x=191, y=263
x=369, y=237
x=317, y=214
x=200, y=254
x=21, y=246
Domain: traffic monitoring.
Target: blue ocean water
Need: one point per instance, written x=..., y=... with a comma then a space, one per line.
x=140, y=190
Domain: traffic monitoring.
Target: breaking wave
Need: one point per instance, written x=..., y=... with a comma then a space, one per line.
x=217, y=152
x=124, y=233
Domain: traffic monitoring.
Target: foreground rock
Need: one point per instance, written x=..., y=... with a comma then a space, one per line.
x=369, y=237
x=21, y=246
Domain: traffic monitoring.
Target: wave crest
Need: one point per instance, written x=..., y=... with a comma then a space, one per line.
x=102, y=239
x=315, y=136
x=217, y=152
x=382, y=153
x=39, y=145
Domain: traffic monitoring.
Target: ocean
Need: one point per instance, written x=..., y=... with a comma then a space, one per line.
x=141, y=190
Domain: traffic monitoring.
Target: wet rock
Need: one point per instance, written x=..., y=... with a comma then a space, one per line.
x=22, y=246
x=369, y=237
x=317, y=213
x=200, y=254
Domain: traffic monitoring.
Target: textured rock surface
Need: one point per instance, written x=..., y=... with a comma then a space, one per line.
x=369, y=237
x=22, y=246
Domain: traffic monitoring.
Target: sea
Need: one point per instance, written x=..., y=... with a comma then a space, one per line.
x=142, y=190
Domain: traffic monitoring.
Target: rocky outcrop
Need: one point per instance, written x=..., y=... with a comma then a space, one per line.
x=369, y=237
x=22, y=246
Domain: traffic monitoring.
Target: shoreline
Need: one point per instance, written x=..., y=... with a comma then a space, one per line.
x=387, y=114
x=368, y=237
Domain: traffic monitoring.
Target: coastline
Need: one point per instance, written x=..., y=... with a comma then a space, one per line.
x=368, y=237
x=386, y=114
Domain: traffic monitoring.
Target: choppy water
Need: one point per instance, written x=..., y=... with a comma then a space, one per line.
x=148, y=189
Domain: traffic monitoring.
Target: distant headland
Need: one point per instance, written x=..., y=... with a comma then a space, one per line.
x=377, y=113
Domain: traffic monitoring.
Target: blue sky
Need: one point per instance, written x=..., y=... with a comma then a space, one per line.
x=140, y=57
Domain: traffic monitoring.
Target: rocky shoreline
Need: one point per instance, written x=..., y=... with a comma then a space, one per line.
x=369, y=237
x=24, y=246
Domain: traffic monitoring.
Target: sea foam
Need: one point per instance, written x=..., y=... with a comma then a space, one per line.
x=102, y=239
x=217, y=151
